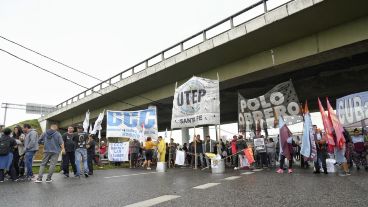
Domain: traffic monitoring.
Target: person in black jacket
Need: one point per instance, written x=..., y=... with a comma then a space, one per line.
x=7, y=145
x=69, y=156
x=91, y=150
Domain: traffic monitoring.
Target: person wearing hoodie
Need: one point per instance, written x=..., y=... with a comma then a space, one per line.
x=161, y=148
x=31, y=147
x=53, y=143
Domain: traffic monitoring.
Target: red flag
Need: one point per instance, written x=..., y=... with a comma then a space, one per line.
x=340, y=139
x=327, y=125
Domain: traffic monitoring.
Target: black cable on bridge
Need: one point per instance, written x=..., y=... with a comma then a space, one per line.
x=70, y=67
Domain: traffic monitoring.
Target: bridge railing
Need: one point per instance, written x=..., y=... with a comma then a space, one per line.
x=245, y=15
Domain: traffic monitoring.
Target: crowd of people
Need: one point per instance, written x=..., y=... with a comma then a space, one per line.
x=268, y=156
x=18, y=147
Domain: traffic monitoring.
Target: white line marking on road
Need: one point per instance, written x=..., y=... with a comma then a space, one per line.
x=232, y=178
x=127, y=175
x=247, y=173
x=205, y=186
x=257, y=170
x=154, y=201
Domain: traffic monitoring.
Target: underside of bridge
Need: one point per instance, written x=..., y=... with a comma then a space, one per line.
x=323, y=49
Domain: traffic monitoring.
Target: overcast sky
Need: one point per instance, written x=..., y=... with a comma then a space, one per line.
x=101, y=38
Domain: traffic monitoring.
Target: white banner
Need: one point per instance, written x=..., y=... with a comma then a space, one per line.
x=132, y=124
x=259, y=144
x=352, y=109
x=118, y=152
x=196, y=102
x=180, y=158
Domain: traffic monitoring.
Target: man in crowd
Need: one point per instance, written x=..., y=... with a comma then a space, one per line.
x=240, y=146
x=359, y=152
x=208, y=147
x=53, y=144
x=81, y=151
x=172, y=152
x=134, y=147
x=31, y=147
x=199, y=149
x=234, y=150
x=69, y=156
x=91, y=151
x=321, y=150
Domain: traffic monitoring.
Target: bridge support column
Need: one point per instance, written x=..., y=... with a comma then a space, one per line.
x=206, y=132
x=185, y=135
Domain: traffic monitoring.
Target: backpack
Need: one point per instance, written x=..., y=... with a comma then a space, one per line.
x=4, y=146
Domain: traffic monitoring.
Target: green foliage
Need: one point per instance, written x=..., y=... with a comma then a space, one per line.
x=33, y=122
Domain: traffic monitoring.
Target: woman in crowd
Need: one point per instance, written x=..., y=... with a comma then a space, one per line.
x=148, y=146
x=271, y=152
x=18, y=150
x=7, y=145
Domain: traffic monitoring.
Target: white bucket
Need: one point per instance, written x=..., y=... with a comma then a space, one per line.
x=218, y=166
x=161, y=167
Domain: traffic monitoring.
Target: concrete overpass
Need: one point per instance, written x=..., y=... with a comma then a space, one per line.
x=321, y=44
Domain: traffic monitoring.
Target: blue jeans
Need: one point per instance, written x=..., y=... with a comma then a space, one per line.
x=28, y=161
x=81, y=154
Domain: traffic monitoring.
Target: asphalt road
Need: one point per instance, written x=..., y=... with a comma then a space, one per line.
x=188, y=187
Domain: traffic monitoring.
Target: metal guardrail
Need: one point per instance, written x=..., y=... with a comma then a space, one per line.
x=163, y=54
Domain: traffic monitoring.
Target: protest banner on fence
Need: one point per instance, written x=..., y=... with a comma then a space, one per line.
x=196, y=102
x=118, y=152
x=259, y=144
x=280, y=100
x=352, y=109
x=132, y=124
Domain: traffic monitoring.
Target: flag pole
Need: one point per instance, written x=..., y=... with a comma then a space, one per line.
x=195, y=149
x=170, y=148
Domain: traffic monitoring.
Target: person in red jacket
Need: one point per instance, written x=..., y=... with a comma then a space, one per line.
x=234, y=150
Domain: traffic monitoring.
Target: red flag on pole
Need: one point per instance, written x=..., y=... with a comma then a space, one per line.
x=340, y=139
x=327, y=125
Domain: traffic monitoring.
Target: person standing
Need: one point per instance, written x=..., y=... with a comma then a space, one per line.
x=134, y=147
x=148, y=146
x=31, y=147
x=161, y=149
x=69, y=156
x=18, y=150
x=53, y=144
x=7, y=145
x=359, y=152
x=81, y=152
x=199, y=149
x=234, y=152
x=321, y=151
x=208, y=147
x=271, y=152
x=240, y=146
x=91, y=146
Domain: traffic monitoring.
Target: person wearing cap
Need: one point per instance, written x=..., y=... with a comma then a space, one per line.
x=359, y=152
x=81, y=152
